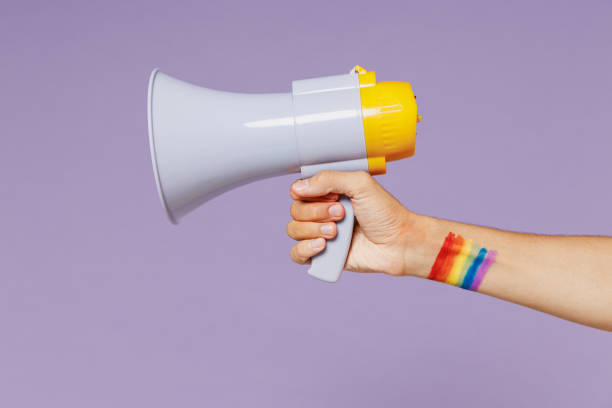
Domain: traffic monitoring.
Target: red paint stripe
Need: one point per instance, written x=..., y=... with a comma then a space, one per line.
x=441, y=258
x=454, y=250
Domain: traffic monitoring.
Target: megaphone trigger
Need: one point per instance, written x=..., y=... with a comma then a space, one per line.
x=328, y=264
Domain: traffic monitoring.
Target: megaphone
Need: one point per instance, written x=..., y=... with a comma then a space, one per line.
x=205, y=142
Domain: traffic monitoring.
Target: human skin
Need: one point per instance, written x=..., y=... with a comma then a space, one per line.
x=566, y=276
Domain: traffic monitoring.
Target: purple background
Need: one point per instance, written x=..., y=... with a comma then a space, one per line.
x=103, y=303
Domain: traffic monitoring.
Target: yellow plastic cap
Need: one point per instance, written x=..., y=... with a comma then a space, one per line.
x=389, y=113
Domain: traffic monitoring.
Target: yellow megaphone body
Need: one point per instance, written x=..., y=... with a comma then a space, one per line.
x=204, y=142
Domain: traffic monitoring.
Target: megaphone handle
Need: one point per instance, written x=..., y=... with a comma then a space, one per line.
x=328, y=264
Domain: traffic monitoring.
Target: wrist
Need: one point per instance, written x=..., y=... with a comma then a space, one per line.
x=422, y=243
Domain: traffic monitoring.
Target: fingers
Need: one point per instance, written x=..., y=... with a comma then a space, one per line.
x=328, y=182
x=327, y=197
x=309, y=230
x=304, y=250
x=316, y=211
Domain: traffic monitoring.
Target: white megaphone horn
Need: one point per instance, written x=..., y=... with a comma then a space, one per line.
x=205, y=142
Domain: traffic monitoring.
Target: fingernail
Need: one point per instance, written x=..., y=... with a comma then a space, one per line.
x=327, y=229
x=335, y=210
x=300, y=185
x=317, y=243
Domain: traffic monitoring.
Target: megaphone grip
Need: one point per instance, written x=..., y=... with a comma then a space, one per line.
x=327, y=265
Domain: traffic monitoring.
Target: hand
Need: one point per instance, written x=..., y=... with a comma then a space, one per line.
x=386, y=234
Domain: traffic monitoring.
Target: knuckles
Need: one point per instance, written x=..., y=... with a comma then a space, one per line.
x=359, y=179
x=291, y=228
x=293, y=254
x=293, y=209
x=364, y=178
x=298, y=254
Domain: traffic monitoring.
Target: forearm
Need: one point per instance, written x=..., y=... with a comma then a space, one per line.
x=567, y=276
x=570, y=277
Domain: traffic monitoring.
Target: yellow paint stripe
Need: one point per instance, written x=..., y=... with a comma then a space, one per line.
x=453, y=276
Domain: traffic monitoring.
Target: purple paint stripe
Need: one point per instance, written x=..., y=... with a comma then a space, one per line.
x=483, y=270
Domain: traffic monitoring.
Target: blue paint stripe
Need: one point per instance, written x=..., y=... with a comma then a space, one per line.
x=471, y=273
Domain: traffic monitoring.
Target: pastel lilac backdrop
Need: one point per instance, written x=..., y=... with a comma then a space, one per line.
x=103, y=303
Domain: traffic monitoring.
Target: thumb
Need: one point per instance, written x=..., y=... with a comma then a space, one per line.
x=351, y=184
